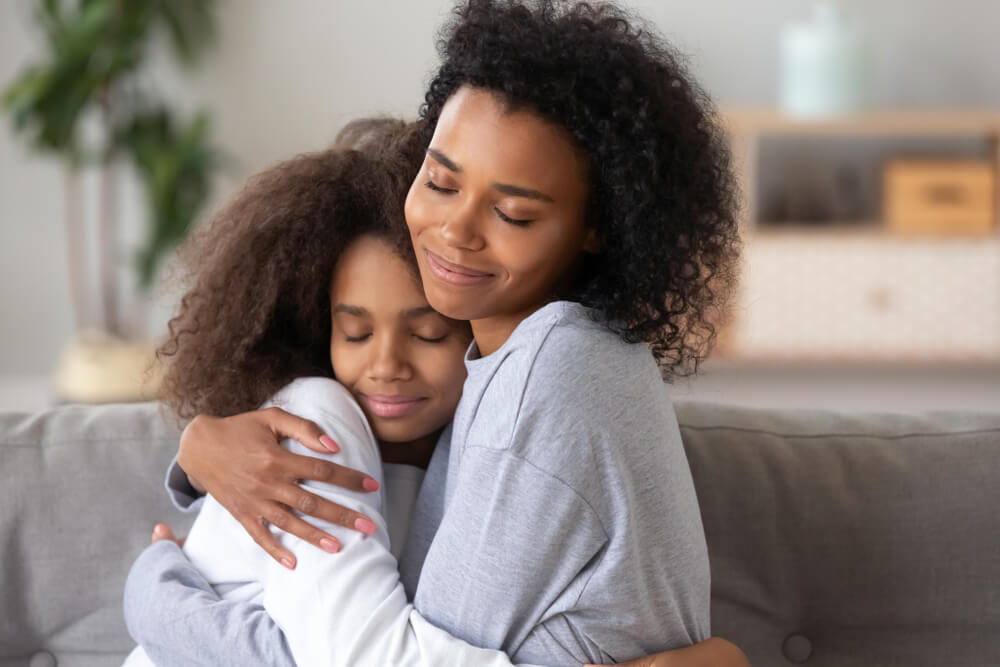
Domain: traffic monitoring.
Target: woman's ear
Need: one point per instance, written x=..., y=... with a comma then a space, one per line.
x=592, y=243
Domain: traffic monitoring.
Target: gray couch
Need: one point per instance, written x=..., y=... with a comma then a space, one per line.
x=835, y=539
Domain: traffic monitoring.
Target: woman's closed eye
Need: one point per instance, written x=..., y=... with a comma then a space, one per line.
x=357, y=339
x=520, y=222
x=437, y=188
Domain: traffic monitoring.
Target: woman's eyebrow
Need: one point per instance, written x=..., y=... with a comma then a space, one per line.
x=444, y=160
x=517, y=191
x=505, y=188
x=357, y=311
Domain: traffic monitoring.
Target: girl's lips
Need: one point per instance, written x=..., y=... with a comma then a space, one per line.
x=454, y=274
x=392, y=406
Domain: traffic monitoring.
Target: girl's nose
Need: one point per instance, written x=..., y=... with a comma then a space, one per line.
x=388, y=362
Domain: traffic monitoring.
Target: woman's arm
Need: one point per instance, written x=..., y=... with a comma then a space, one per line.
x=713, y=652
x=240, y=462
x=180, y=621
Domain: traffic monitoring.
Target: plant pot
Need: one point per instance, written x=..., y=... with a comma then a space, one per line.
x=96, y=367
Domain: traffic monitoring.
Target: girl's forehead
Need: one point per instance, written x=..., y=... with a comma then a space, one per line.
x=371, y=270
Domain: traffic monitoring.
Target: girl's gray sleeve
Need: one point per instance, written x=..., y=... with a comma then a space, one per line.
x=176, y=616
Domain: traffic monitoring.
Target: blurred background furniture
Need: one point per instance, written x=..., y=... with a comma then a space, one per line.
x=829, y=277
x=836, y=540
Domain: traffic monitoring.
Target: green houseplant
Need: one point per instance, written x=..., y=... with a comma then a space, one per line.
x=88, y=103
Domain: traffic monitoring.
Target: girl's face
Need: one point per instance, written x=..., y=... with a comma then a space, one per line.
x=497, y=213
x=403, y=361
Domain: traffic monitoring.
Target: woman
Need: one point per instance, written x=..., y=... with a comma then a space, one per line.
x=576, y=205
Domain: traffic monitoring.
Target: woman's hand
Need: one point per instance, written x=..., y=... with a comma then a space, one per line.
x=239, y=460
x=713, y=652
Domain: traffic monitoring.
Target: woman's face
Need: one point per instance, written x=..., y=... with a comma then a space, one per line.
x=497, y=212
x=403, y=361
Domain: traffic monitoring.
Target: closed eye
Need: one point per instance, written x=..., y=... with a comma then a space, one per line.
x=428, y=339
x=357, y=339
x=437, y=188
x=514, y=221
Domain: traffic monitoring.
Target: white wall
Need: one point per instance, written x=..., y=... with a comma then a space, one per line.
x=286, y=75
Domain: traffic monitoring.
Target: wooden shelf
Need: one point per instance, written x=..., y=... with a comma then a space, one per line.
x=839, y=230
x=855, y=292
x=881, y=123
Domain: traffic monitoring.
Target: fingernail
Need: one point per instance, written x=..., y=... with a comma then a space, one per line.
x=365, y=526
x=329, y=545
x=328, y=442
x=159, y=529
x=370, y=484
x=287, y=562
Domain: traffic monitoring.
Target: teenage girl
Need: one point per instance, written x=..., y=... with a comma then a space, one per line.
x=576, y=205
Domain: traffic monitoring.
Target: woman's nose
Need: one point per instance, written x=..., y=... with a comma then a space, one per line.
x=461, y=228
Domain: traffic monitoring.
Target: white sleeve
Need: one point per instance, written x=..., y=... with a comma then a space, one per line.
x=350, y=608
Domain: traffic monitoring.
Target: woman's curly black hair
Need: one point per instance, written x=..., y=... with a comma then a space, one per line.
x=256, y=314
x=662, y=194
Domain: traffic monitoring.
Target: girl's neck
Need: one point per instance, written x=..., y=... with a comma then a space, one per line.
x=414, y=452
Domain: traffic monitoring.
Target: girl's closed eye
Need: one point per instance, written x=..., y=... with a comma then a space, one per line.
x=431, y=334
x=430, y=339
x=359, y=338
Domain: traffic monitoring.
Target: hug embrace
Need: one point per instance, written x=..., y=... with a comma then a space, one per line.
x=426, y=369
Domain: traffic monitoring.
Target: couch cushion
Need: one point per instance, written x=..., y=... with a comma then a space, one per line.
x=850, y=539
x=80, y=490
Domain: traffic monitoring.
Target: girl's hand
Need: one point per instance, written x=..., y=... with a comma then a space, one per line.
x=713, y=652
x=239, y=460
x=162, y=531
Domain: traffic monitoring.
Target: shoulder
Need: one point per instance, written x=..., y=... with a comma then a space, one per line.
x=313, y=392
x=324, y=401
x=582, y=362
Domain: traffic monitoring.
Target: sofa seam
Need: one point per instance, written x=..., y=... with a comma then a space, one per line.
x=35, y=444
x=843, y=434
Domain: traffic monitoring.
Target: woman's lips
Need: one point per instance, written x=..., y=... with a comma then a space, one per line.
x=392, y=406
x=454, y=274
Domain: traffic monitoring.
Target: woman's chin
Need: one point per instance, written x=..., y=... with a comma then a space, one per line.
x=452, y=305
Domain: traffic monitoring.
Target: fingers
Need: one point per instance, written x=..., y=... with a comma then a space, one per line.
x=295, y=497
x=286, y=425
x=162, y=531
x=321, y=470
x=268, y=542
x=283, y=518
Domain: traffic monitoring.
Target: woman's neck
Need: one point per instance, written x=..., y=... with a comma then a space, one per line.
x=491, y=333
x=414, y=452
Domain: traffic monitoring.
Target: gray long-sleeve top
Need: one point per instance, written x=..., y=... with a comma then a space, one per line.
x=559, y=525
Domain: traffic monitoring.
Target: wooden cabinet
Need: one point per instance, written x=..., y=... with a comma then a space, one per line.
x=850, y=292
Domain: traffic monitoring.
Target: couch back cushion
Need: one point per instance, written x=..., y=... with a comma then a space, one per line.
x=841, y=540
x=80, y=490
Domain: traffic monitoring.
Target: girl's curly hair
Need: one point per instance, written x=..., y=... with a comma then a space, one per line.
x=257, y=311
x=662, y=193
